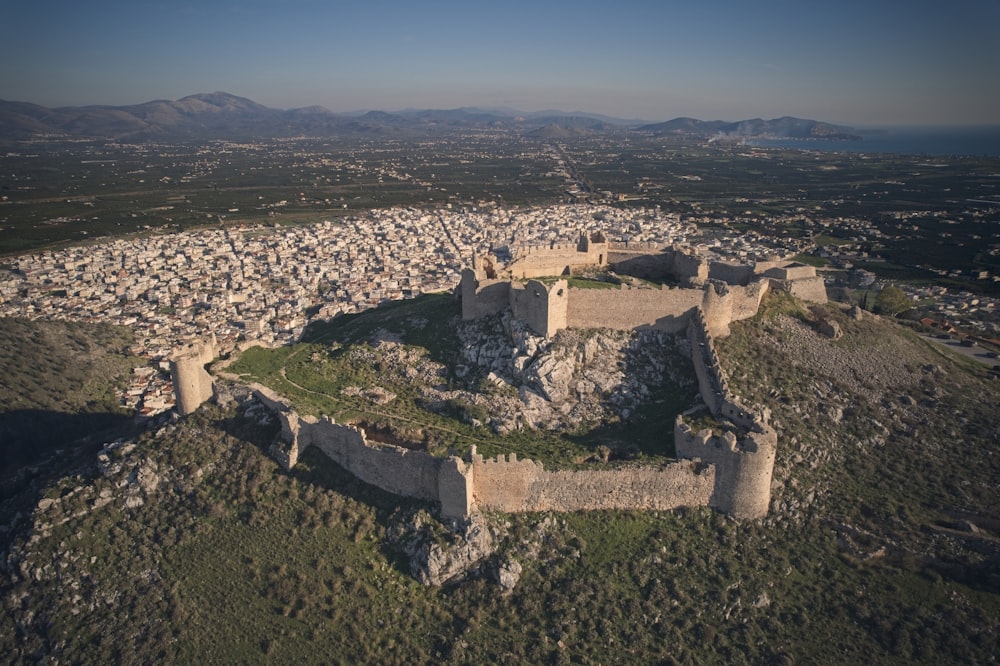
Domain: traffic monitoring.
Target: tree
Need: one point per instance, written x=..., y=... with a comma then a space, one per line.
x=892, y=301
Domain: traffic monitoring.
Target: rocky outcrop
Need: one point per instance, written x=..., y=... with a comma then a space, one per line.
x=438, y=556
x=571, y=380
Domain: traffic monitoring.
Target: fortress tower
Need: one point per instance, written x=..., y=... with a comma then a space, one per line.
x=192, y=383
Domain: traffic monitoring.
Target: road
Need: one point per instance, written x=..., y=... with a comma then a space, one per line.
x=976, y=353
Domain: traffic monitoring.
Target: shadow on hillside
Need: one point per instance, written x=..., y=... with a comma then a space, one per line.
x=38, y=447
x=30, y=436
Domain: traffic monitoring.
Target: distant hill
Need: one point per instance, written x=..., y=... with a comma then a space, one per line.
x=221, y=115
x=784, y=128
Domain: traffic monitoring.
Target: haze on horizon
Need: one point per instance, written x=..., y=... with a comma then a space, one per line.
x=863, y=64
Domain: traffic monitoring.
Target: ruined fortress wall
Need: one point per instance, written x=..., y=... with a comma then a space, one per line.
x=740, y=274
x=807, y=289
x=516, y=486
x=690, y=266
x=745, y=300
x=482, y=297
x=393, y=469
x=663, y=488
x=556, y=259
x=649, y=263
x=711, y=380
x=504, y=485
x=736, y=479
x=541, y=307
x=625, y=309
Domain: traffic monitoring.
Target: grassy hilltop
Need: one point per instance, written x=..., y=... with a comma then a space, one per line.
x=189, y=544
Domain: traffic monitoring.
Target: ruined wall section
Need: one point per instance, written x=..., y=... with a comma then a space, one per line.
x=731, y=273
x=558, y=258
x=482, y=296
x=642, y=260
x=800, y=280
x=192, y=384
x=286, y=449
x=392, y=468
x=542, y=307
x=515, y=486
x=807, y=289
x=743, y=466
x=743, y=454
x=666, y=309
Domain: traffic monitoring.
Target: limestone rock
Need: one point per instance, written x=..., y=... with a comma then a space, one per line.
x=438, y=556
x=574, y=379
x=830, y=329
x=508, y=574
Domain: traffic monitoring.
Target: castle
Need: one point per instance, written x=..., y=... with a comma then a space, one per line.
x=727, y=467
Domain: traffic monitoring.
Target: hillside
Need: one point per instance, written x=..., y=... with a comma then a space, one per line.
x=58, y=382
x=189, y=544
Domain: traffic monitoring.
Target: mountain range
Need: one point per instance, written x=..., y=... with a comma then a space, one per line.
x=222, y=115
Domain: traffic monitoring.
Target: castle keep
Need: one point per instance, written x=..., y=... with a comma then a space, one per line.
x=727, y=467
x=723, y=291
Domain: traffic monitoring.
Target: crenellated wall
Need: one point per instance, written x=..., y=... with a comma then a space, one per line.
x=725, y=292
x=744, y=452
x=590, y=251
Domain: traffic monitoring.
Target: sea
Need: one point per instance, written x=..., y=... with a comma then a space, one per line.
x=964, y=141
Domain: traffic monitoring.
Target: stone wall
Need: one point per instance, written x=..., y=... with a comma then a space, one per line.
x=392, y=468
x=515, y=486
x=628, y=308
x=744, y=453
x=641, y=260
x=558, y=259
x=730, y=272
x=807, y=289
x=482, y=296
x=501, y=484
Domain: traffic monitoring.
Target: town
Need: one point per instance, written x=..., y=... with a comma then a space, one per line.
x=261, y=286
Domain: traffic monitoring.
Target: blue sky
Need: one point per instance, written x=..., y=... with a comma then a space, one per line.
x=886, y=62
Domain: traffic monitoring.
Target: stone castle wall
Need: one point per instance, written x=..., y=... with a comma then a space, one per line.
x=744, y=454
x=627, y=308
x=730, y=472
x=725, y=292
x=515, y=486
x=558, y=259
x=501, y=484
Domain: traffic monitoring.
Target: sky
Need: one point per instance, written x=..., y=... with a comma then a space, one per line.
x=858, y=62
